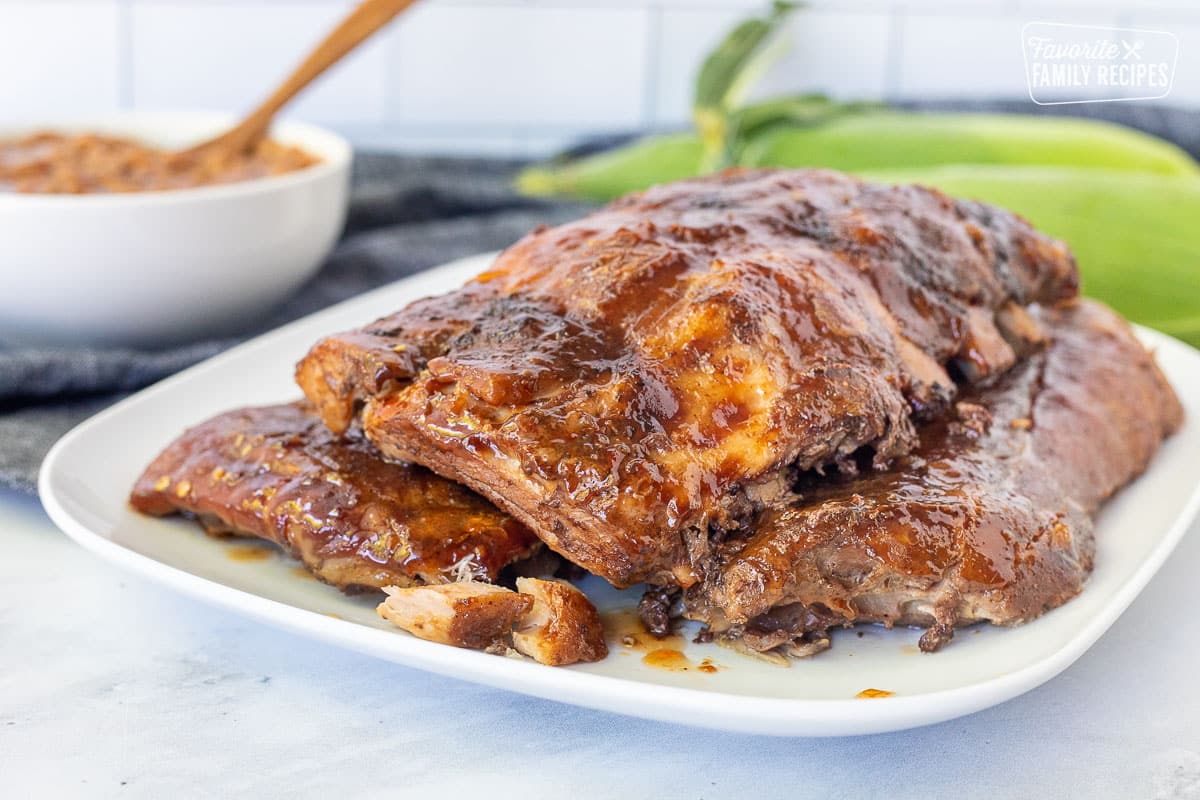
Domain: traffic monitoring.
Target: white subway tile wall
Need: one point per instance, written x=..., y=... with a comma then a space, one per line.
x=221, y=55
x=59, y=59
x=684, y=36
x=472, y=66
x=938, y=50
x=844, y=53
x=1185, y=24
x=521, y=77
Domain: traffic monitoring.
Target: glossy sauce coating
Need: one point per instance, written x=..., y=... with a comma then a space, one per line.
x=353, y=518
x=629, y=383
x=56, y=163
x=990, y=518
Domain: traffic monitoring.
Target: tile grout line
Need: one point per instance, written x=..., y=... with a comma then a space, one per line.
x=125, y=96
x=388, y=85
x=895, y=56
x=653, y=66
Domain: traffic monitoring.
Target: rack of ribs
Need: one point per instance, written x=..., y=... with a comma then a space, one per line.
x=639, y=384
x=989, y=518
x=354, y=519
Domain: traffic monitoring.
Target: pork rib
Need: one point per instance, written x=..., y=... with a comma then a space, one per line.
x=990, y=518
x=635, y=383
x=354, y=519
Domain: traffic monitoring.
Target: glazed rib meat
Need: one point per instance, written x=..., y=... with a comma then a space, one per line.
x=467, y=614
x=636, y=384
x=554, y=622
x=353, y=519
x=990, y=518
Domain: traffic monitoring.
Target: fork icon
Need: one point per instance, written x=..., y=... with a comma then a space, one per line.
x=1132, y=50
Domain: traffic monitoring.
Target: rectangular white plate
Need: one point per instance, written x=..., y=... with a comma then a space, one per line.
x=86, y=478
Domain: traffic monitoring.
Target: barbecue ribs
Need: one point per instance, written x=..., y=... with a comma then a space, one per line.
x=990, y=518
x=354, y=519
x=554, y=622
x=637, y=384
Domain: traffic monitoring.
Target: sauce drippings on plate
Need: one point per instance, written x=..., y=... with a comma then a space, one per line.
x=667, y=658
x=626, y=632
x=248, y=553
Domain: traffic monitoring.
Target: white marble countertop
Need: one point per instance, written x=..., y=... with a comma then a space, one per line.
x=114, y=687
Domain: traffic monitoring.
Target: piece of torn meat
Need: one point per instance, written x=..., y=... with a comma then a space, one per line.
x=465, y=614
x=555, y=622
x=563, y=627
x=990, y=519
x=631, y=382
x=353, y=518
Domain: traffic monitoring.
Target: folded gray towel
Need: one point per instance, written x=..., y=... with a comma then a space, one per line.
x=407, y=214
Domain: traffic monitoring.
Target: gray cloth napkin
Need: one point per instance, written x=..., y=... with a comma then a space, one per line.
x=407, y=214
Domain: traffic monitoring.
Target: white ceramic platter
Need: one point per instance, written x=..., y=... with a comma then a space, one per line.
x=86, y=478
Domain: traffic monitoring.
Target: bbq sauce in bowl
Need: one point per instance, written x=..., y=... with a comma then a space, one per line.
x=91, y=163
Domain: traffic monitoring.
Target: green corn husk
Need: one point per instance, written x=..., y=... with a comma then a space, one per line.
x=659, y=159
x=866, y=140
x=889, y=139
x=790, y=111
x=727, y=75
x=1134, y=235
x=739, y=60
x=604, y=176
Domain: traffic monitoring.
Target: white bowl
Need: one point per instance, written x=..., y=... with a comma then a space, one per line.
x=154, y=268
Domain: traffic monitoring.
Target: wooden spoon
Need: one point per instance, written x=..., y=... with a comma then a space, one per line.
x=368, y=17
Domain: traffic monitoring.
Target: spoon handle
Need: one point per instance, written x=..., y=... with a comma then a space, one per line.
x=368, y=17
